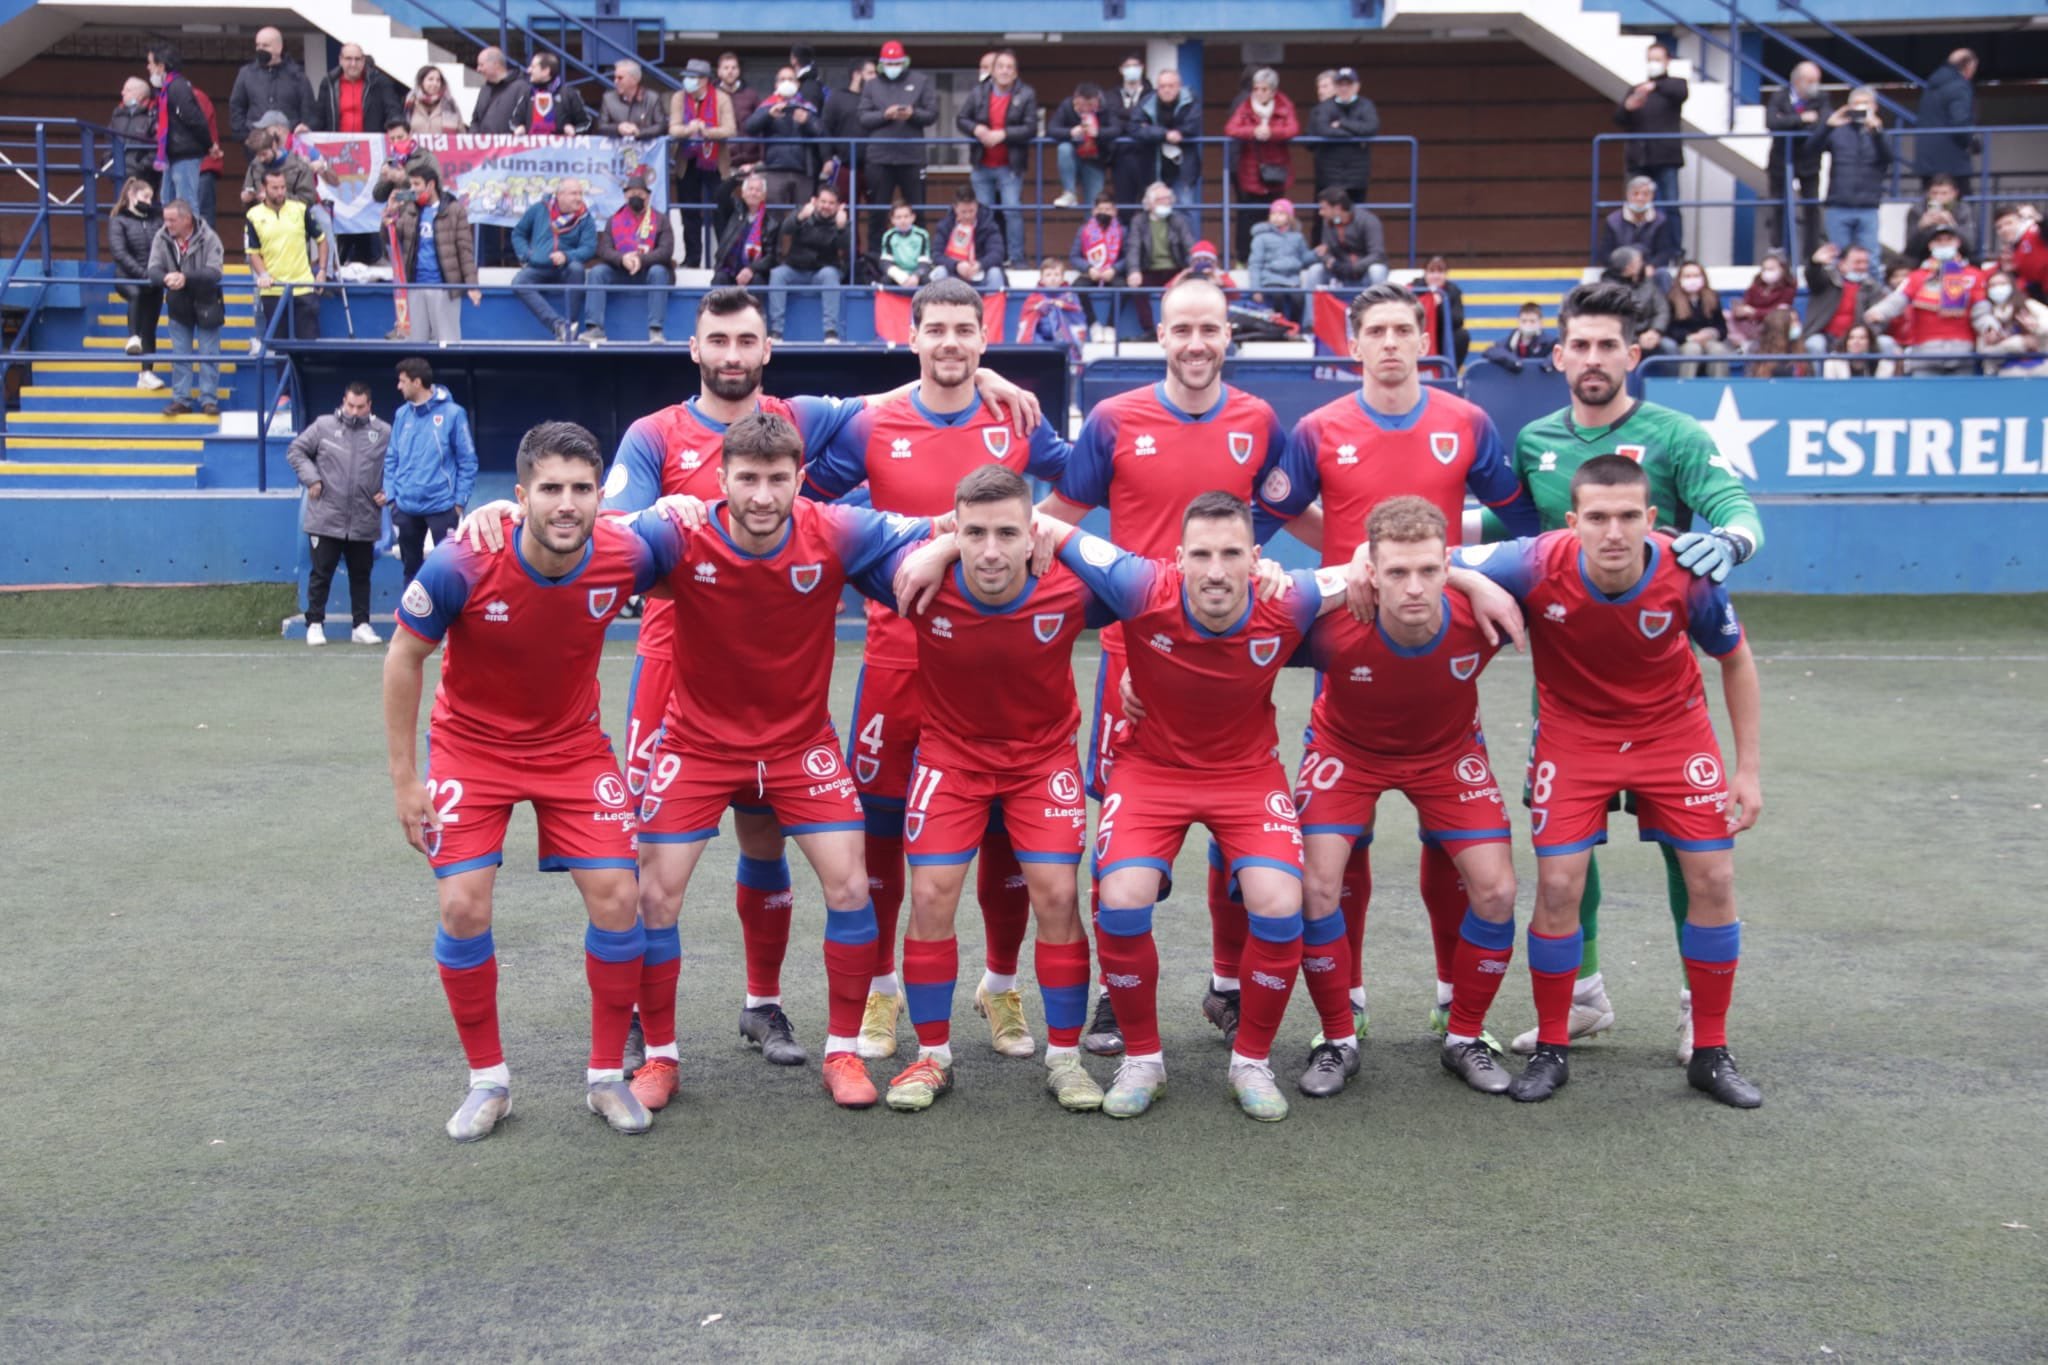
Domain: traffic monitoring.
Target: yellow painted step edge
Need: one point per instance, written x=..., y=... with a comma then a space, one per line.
x=100, y=443
x=21, y=469
x=139, y=419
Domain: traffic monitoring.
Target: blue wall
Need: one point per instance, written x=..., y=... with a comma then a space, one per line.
x=149, y=537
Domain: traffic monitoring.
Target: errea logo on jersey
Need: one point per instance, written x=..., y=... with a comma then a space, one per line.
x=1347, y=454
x=690, y=459
x=1144, y=445
x=1554, y=612
x=1161, y=642
x=1546, y=463
x=899, y=449
x=498, y=609
x=1361, y=674
x=706, y=572
x=942, y=626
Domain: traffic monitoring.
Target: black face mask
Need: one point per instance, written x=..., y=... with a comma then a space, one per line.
x=1105, y=219
x=636, y=202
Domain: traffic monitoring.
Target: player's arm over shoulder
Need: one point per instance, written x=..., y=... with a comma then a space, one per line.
x=1121, y=580
x=634, y=480
x=1513, y=564
x=1711, y=618
x=1708, y=483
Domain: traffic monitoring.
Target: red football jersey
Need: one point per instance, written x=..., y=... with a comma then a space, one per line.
x=1380, y=697
x=1208, y=695
x=520, y=669
x=754, y=633
x=1610, y=668
x=912, y=459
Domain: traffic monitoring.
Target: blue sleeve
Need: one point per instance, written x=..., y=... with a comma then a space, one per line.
x=635, y=478
x=871, y=539
x=1493, y=481
x=1097, y=614
x=879, y=583
x=391, y=461
x=1121, y=581
x=1085, y=483
x=661, y=548
x=1265, y=525
x=1306, y=600
x=842, y=463
x=1510, y=563
x=1295, y=482
x=820, y=419
x=1710, y=617
x=465, y=459
x=434, y=598
x=585, y=241
x=1049, y=453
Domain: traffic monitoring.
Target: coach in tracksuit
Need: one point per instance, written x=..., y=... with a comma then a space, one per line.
x=430, y=465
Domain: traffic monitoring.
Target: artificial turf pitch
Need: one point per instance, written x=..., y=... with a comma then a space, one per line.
x=227, y=1064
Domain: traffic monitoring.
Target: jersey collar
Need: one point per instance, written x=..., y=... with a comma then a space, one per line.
x=946, y=419
x=698, y=416
x=1600, y=433
x=1251, y=603
x=1406, y=652
x=1179, y=415
x=1400, y=422
x=1649, y=571
x=589, y=548
x=982, y=608
x=721, y=509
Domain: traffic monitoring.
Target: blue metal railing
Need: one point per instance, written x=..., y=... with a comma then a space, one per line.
x=43, y=154
x=596, y=40
x=1731, y=51
x=1842, y=35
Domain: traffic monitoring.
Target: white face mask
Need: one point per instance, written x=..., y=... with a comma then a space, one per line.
x=786, y=89
x=156, y=80
x=894, y=69
x=1771, y=275
x=1656, y=70
x=1531, y=327
x=1999, y=293
x=1942, y=253
x=1162, y=211
x=693, y=83
x=1133, y=74
x=1795, y=330
x=1692, y=284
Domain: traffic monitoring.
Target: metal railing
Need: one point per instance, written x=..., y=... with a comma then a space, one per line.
x=50, y=172
x=1844, y=36
x=511, y=24
x=1735, y=58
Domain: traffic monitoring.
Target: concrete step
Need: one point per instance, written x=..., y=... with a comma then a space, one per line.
x=24, y=474
x=118, y=322
x=112, y=343
x=151, y=422
x=247, y=300
x=38, y=398
x=98, y=371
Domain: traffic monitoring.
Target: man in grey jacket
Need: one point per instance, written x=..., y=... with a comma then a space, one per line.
x=900, y=106
x=186, y=261
x=629, y=108
x=340, y=463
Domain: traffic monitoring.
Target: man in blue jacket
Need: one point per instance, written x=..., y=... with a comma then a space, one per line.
x=429, y=465
x=1948, y=102
x=554, y=242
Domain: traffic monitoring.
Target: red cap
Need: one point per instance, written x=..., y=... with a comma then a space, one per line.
x=1204, y=249
x=892, y=51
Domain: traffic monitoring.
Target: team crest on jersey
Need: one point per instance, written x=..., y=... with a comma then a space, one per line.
x=438, y=418
x=1046, y=625
x=821, y=763
x=1443, y=445
x=1097, y=551
x=1538, y=818
x=1654, y=623
x=1472, y=770
x=601, y=600
x=1277, y=486
x=1264, y=649
x=1240, y=445
x=1703, y=771
x=1065, y=787
x=804, y=577
x=1464, y=666
x=432, y=839
x=1630, y=453
x=417, y=599
x=615, y=482
x=866, y=767
x=610, y=791
x=1281, y=806
x=997, y=440
x=913, y=825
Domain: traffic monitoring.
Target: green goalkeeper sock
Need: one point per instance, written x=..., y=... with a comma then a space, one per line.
x=1679, y=898
x=1589, y=920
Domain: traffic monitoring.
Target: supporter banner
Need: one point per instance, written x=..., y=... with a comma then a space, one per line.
x=497, y=178
x=1904, y=435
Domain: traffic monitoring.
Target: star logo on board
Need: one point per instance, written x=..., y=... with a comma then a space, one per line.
x=1347, y=454
x=1733, y=434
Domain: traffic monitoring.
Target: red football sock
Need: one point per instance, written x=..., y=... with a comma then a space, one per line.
x=1476, y=974
x=1713, y=987
x=1227, y=928
x=885, y=885
x=1268, y=981
x=613, y=988
x=1326, y=973
x=764, y=910
x=1355, y=899
x=473, y=1001
x=929, y=969
x=1553, y=971
x=849, y=969
x=658, y=1001
x=1130, y=966
x=1005, y=902
x=1443, y=896
x=1063, y=983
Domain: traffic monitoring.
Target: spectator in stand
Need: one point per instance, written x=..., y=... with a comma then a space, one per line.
x=1264, y=123
x=1653, y=106
x=905, y=255
x=809, y=84
x=629, y=108
x=1793, y=113
x=2021, y=248
x=1950, y=309
x=700, y=123
x=740, y=157
x=1133, y=161
x=271, y=82
x=1626, y=267
x=1204, y=264
x=431, y=108
x=287, y=253
x=550, y=105
x=985, y=65
x=134, y=122
x=504, y=88
x=898, y=107
x=404, y=158
x=1839, y=291
x=429, y=464
x=1843, y=361
x=1948, y=102
x=339, y=459
x=746, y=249
x=1052, y=313
x=1772, y=288
x=1157, y=247
x=1640, y=223
x=1779, y=335
x=1326, y=84
x=131, y=229
x=1529, y=342
x=1942, y=207
x=1168, y=124
x=1280, y=257
x=1901, y=330
x=1001, y=114
x=1353, y=252
x=1084, y=134
x=555, y=242
x=1436, y=277
x=968, y=245
x=184, y=136
x=1697, y=322
x=1131, y=90
x=635, y=247
x=1859, y=156
x=789, y=121
x=214, y=166
x=1098, y=256
x=812, y=253
x=2016, y=329
x=270, y=150
x=186, y=262
x=840, y=126
x=1343, y=159
x=434, y=243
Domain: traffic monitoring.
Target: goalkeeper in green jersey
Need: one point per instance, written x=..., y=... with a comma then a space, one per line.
x=1696, y=493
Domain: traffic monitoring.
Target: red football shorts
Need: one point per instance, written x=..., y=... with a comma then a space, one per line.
x=648, y=698
x=1109, y=716
x=887, y=716
x=1043, y=810
x=1147, y=810
x=1680, y=788
x=1456, y=799
x=808, y=789
x=579, y=803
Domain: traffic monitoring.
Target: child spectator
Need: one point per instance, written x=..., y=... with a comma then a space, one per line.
x=1280, y=255
x=906, y=251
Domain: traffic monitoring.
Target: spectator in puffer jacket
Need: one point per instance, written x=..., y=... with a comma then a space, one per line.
x=340, y=463
x=1627, y=268
x=270, y=83
x=1858, y=159
x=1280, y=257
x=134, y=122
x=131, y=227
x=1098, y=255
x=430, y=465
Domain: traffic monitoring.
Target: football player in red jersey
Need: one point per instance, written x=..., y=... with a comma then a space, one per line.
x=516, y=719
x=911, y=451
x=1613, y=618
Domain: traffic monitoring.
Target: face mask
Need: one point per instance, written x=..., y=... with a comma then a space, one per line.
x=1105, y=219
x=693, y=83
x=1656, y=70
x=1999, y=293
x=1531, y=327
x=786, y=89
x=1133, y=74
x=1162, y=211
x=156, y=80
x=1642, y=211
x=354, y=419
x=425, y=198
x=1692, y=284
x=637, y=202
x=1795, y=331
x=1805, y=92
x=1347, y=99
x=1942, y=253
x=262, y=57
x=1855, y=276
x=894, y=69
x=1771, y=276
